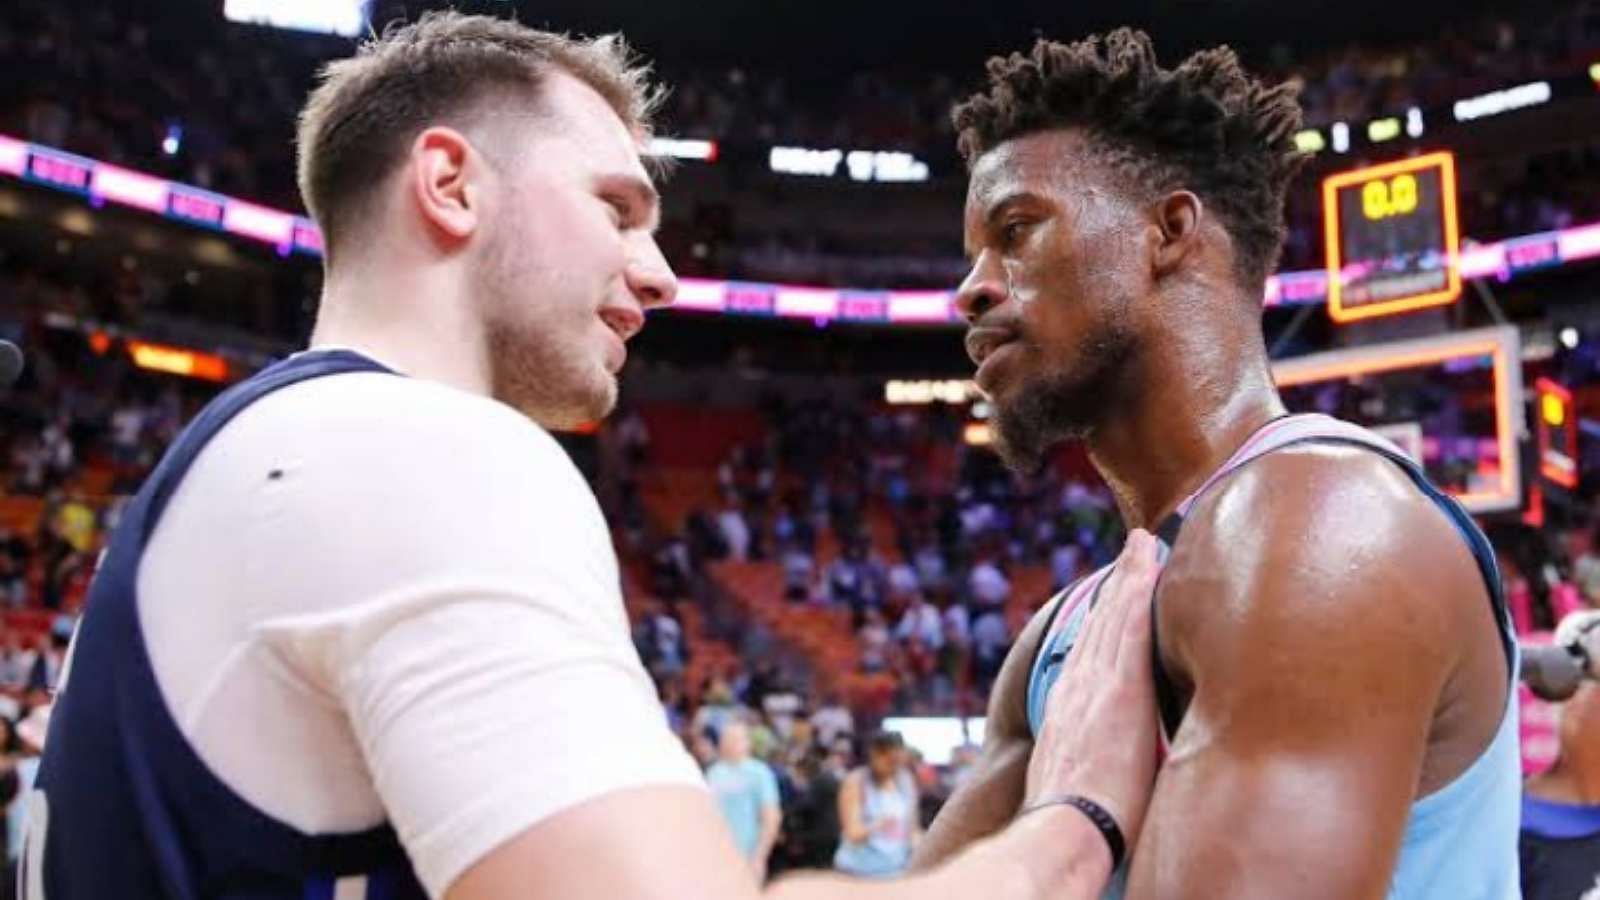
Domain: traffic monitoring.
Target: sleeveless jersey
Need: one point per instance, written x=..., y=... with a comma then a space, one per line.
x=1460, y=842
x=123, y=806
x=889, y=815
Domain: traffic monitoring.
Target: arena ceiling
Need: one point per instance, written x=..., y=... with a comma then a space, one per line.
x=951, y=34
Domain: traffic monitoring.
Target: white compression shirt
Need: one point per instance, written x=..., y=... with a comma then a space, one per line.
x=378, y=598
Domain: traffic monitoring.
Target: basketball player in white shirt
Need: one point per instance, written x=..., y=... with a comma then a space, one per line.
x=381, y=601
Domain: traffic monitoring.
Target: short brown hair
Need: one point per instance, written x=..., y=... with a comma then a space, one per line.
x=358, y=123
x=1205, y=125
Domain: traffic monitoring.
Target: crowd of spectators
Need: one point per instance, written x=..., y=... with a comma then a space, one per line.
x=1348, y=83
x=164, y=90
x=884, y=512
x=216, y=107
x=887, y=513
x=786, y=769
x=891, y=515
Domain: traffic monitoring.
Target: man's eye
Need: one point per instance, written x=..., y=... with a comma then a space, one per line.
x=619, y=211
x=1012, y=232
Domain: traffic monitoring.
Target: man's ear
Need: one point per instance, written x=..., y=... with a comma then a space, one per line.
x=441, y=162
x=1177, y=218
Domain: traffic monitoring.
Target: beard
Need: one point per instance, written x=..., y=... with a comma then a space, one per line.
x=1059, y=406
x=547, y=379
x=540, y=359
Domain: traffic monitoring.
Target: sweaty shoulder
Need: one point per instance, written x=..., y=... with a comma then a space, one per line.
x=1342, y=527
x=1334, y=546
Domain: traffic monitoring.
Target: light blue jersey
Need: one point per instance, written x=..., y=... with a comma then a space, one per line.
x=890, y=815
x=743, y=789
x=1460, y=842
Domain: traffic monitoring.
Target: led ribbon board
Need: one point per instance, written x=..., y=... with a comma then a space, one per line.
x=1393, y=240
x=1483, y=358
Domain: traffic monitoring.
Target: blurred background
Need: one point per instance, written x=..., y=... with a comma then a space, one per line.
x=815, y=539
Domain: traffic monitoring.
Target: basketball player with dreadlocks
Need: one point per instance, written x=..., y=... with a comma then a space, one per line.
x=1333, y=658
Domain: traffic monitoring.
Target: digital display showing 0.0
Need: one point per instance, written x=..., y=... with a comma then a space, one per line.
x=1392, y=238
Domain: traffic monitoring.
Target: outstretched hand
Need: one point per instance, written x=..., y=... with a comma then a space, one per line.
x=1101, y=727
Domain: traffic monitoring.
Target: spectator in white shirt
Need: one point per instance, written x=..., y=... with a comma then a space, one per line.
x=735, y=531
x=127, y=431
x=989, y=586
x=832, y=720
x=921, y=620
x=929, y=563
x=903, y=582
x=874, y=636
x=990, y=640
x=798, y=571
x=1064, y=564
x=957, y=624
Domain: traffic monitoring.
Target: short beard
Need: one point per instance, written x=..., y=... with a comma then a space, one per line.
x=545, y=380
x=1062, y=406
x=535, y=366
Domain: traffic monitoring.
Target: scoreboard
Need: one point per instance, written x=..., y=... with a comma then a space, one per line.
x=1393, y=240
x=1557, y=433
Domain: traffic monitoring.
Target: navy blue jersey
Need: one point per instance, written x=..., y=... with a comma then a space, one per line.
x=123, y=807
x=1560, y=850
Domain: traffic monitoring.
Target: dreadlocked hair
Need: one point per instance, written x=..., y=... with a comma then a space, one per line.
x=1206, y=126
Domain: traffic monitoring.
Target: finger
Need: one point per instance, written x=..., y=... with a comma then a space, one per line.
x=1132, y=567
x=1133, y=635
x=1111, y=610
x=1086, y=650
x=1094, y=646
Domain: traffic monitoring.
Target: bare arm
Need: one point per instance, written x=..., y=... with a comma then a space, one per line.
x=669, y=843
x=852, y=825
x=1316, y=606
x=666, y=843
x=993, y=792
x=916, y=815
x=771, y=819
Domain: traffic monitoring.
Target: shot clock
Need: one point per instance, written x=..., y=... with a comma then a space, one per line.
x=1393, y=241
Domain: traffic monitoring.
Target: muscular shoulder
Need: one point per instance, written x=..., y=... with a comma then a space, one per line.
x=1330, y=539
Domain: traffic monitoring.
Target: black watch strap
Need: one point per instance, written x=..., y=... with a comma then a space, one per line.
x=1096, y=814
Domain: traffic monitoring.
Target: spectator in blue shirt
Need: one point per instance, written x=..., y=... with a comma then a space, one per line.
x=747, y=793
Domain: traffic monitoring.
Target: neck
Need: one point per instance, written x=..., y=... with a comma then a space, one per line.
x=415, y=319
x=1198, y=405
x=1574, y=779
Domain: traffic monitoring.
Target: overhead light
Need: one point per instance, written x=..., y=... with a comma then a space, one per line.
x=1414, y=122
x=682, y=148
x=173, y=142
x=1380, y=130
x=1341, y=137
x=1569, y=338
x=1496, y=102
x=1309, y=140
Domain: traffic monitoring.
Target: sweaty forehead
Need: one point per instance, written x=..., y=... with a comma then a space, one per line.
x=1056, y=167
x=1046, y=163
